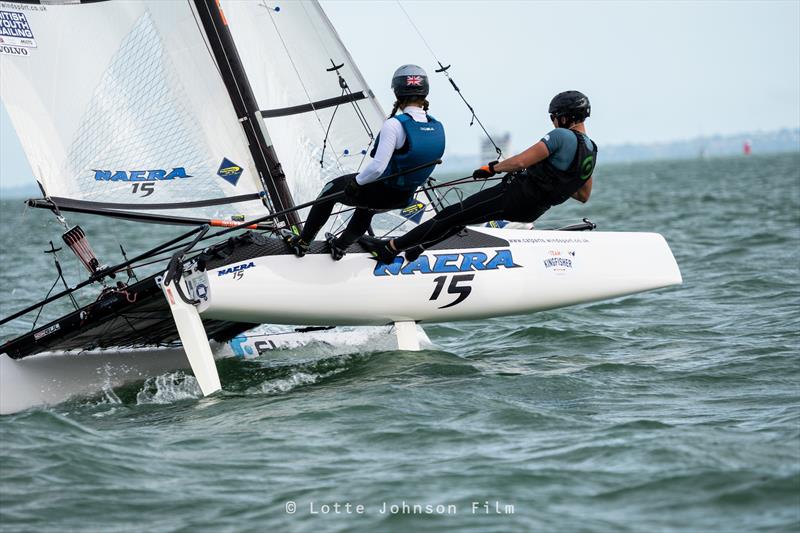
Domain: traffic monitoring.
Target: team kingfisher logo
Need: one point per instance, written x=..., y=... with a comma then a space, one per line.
x=237, y=268
x=446, y=263
x=230, y=171
x=558, y=263
x=140, y=175
x=413, y=81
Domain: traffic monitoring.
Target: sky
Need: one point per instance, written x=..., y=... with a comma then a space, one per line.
x=654, y=71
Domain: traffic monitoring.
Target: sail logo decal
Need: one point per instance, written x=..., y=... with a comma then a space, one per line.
x=202, y=292
x=15, y=34
x=242, y=347
x=237, y=268
x=555, y=262
x=12, y=50
x=497, y=224
x=140, y=175
x=230, y=171
x=446, y=263
x=413, y=212
x=45, y=332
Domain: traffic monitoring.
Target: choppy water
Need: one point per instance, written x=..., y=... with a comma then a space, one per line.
x=672, y=410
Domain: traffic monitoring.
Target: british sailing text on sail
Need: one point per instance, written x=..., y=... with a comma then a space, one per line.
x=14, y=25
x=15, y=30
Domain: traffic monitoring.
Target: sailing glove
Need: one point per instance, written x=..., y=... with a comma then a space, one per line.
x=485, y=172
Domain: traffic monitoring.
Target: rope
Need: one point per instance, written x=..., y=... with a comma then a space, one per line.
x=35, y=320
x=450, y=184
x=443, y=69
x=163, y=252
x=300, y=79
x=359, y=114
x=345, y=91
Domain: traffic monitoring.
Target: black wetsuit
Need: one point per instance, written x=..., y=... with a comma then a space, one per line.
x=377, y=195
x=394, y=189
x=520, y=197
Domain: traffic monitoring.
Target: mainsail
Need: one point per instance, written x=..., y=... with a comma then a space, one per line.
x=144, y=124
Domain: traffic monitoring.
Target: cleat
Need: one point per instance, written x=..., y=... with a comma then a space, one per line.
x=413, y=253
x=379, y=249
x=297, y=245
x=336, y=252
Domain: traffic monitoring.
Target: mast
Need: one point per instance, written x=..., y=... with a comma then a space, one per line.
x=244, y=102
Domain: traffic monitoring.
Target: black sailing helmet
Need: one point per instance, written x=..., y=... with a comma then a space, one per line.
x=572, y=104
x=410, y=80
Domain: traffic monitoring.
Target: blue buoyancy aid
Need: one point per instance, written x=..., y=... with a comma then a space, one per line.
x=424, y=144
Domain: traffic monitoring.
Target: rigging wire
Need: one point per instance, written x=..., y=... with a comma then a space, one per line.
x=345, y=91
x=172, y=244
x=450, y=184
x=444, y=70
x=164, y=252
x=299, y=77
x=342, y=84
x=35, y=320
x=359, y=113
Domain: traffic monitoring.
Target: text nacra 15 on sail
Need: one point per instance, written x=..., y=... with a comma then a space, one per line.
x=195, y=113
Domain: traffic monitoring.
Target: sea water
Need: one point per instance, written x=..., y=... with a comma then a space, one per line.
x=677, y=409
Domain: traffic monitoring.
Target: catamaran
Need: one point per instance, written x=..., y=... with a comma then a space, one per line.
x=218, y=114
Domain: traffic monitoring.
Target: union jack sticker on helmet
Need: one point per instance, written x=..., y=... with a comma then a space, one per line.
x=413, y=80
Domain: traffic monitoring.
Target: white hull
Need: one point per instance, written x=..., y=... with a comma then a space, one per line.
x=526, y=271
x=52, y=378
x=536, y=270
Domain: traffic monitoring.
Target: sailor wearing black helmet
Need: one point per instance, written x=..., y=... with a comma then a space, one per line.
x=405, y=141
x=556, y=168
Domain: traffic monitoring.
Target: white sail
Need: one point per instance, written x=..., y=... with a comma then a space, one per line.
x=144, y=122
x=287, y=49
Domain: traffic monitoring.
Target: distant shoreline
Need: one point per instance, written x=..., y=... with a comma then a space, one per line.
x=762, y=143
x=461, y=164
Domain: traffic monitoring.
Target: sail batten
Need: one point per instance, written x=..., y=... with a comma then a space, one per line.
x=155, y=207
x=314, y=106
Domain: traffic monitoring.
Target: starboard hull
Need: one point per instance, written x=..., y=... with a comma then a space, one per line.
x=509, y=272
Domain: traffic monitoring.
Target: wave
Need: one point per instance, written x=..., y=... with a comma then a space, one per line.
x=169, y=388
